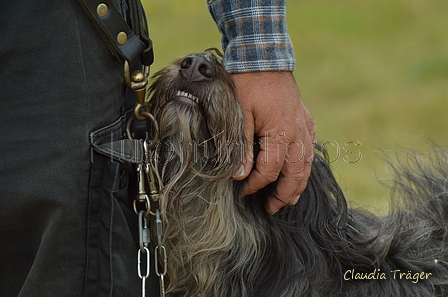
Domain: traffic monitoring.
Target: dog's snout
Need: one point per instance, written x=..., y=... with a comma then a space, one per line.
x=196, y=69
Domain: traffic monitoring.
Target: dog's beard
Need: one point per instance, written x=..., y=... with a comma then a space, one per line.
x=200, y=148
x=198, y=199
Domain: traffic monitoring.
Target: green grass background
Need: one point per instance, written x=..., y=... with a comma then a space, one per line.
x=372, y=73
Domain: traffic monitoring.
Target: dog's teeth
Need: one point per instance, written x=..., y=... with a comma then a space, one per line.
x=188, y=95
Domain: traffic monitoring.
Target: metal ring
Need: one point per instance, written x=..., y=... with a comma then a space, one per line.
x=127, y=74
x=147, y=206
x=138, y=113
x=146, y=115
x=146, y=70
x=154, y=142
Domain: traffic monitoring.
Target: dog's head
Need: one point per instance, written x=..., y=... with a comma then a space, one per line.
x=199, y=116
x=201, y=138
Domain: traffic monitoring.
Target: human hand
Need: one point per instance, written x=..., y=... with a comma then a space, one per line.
x=272, y=109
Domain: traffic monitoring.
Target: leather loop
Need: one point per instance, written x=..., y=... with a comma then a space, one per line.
x=120, y=38
x=140, y=27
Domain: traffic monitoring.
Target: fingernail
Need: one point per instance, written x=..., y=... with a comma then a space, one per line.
x=239, y=172
x=295, y=200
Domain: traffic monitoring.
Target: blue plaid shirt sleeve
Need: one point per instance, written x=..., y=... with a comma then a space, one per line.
x=254, y=35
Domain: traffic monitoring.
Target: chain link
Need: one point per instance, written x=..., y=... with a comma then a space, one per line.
x=143, y=277
x=144, y=240
x=160, y=249
x=142, y=204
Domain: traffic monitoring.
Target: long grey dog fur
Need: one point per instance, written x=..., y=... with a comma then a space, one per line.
x=221, y=244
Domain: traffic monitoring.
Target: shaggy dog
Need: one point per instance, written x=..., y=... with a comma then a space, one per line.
x=220, y=244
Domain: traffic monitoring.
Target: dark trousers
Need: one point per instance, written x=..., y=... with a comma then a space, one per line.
x=65, y=221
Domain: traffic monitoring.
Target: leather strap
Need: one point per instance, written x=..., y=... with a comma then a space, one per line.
x=123, y=42
x=140, y=27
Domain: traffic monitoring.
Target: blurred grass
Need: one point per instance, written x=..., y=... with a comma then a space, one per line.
x=374, y=74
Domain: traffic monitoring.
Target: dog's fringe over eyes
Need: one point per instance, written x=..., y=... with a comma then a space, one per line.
x=220, y=244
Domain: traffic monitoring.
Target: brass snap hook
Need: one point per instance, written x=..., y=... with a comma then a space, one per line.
x=137, y=82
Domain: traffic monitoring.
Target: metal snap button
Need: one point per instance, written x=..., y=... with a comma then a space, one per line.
x=122, y=37
x=102, y=9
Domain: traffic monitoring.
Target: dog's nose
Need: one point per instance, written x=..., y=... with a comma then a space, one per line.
x=196, y=69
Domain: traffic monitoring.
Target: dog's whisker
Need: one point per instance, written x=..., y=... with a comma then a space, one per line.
x=212, y=137
x=205, y=200
x=353, y=228
x=239, y=204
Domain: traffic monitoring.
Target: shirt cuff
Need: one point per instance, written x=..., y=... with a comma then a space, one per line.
x=254, y=35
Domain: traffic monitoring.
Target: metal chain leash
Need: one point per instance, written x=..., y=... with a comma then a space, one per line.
x=143, y=202
x=144, y=240
x=160, y=253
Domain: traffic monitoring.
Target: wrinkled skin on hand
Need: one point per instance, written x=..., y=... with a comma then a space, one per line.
x=273, y=111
